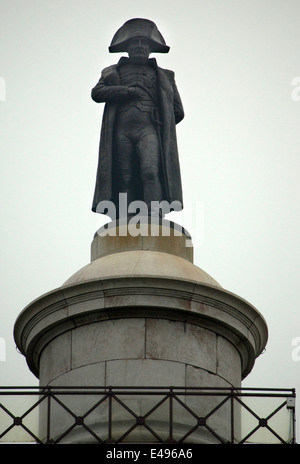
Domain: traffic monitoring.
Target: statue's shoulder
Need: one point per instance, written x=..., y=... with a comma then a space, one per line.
x=109, y=70
x=168, y=73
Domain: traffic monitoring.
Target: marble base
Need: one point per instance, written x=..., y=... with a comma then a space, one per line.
x=141, y=314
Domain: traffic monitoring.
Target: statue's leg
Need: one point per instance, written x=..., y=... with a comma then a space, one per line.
x=124, y=175
x=148, y=151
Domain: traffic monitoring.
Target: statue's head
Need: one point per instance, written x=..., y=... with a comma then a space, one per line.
x=139, y=48
x=140, y=34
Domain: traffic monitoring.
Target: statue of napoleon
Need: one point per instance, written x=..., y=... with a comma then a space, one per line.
x=138, y=153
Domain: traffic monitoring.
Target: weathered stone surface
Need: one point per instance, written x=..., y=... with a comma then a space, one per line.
x=181, y=342
x=140, y=262
x=90, y=375
x=164, y=236
x=228, y=362
x=55, y=358
x=114, y=339
x=147, y=372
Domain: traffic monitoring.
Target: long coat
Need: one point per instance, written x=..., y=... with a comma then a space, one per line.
x=109, y=90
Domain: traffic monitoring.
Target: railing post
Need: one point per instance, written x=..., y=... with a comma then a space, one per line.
x=294, y=420
x=48, y=415
x=232, y=414
x=109, y=414
x=171, y=415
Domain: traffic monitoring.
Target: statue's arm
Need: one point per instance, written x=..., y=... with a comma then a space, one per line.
x=178, y=108
x=103, y=92
x=109, y=92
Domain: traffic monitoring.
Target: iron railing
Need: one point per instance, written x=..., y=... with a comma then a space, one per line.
x=53, y=414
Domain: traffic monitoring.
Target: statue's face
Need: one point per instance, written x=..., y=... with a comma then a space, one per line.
x=138, y=48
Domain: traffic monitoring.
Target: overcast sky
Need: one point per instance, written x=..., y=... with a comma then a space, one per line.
x=236, y=64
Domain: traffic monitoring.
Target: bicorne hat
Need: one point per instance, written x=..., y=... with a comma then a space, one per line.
x=138, y=27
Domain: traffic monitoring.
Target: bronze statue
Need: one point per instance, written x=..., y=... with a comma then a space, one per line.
x=138, y=149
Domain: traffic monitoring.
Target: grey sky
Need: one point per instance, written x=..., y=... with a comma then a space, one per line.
x=239, y=151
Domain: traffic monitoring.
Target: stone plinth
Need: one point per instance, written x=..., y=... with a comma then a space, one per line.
x=141, y=314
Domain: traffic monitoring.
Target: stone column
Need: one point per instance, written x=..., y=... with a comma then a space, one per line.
x=141, y=314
